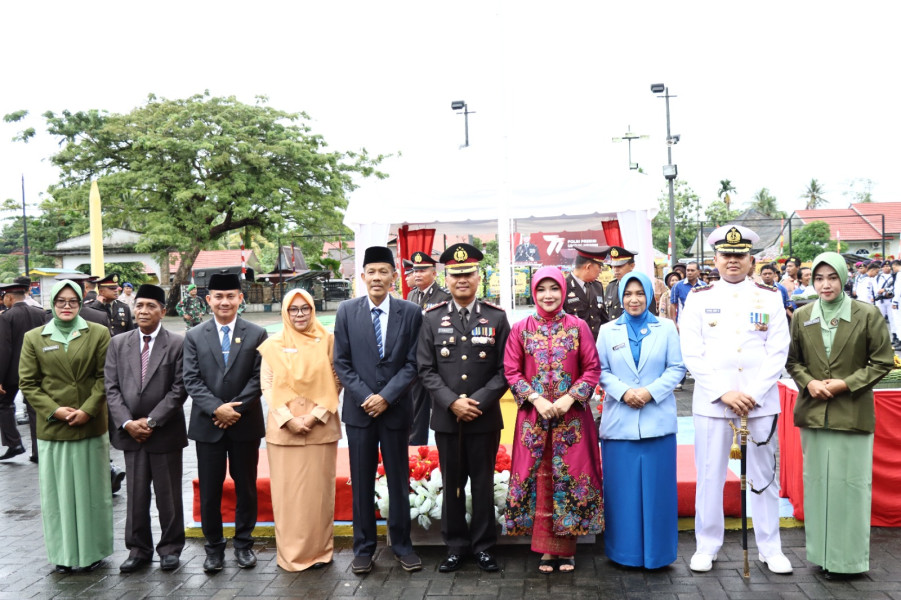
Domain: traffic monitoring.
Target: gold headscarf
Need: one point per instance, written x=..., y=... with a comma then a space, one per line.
x=301, y=361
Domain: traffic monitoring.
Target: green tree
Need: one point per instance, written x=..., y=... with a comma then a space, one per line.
x=859, y=190
x=813, y=195
x=687, y=207
x=186, y=172
x=723, y=193
x=812, y=239
x=718, y=213
x=764, y=202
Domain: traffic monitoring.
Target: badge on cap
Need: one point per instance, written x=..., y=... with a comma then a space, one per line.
x=460, y=254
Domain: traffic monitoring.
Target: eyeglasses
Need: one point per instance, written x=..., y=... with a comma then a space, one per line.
x=304, y=310
x=60, y=303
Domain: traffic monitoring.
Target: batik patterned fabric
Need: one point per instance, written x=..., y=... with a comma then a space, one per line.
x=554, y=357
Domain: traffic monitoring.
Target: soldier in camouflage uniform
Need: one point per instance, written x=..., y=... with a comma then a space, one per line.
x=191, y=308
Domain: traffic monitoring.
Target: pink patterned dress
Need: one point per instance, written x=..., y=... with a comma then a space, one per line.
x=555, y=488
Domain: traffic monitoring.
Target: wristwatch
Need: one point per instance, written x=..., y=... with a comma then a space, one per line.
x=152, y=423
x=534, y=396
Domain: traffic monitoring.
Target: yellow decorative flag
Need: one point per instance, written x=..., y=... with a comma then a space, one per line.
x=96, y=223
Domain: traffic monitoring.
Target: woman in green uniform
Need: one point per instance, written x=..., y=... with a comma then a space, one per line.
x=61, y=376
x=839, y=350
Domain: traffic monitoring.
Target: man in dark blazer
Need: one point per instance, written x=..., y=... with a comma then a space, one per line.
x=461, y=364
x=14, y=323
x=375, y=359
x=145, y=394
x=222, y=376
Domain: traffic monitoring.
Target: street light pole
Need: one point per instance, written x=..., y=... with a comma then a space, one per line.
x=669, y=171
x=25, y=230
x=461, y=105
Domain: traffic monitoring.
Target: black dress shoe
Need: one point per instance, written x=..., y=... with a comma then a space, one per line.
x=246, y=558
x=13, y=451
x=116, y=476
x=486, y=562
x=169, y=562
x=361, y=565
x=133, y=563
x=213, y=563
x=832, y=576
x=93, y=566
x=451, y=563
x=62, y=569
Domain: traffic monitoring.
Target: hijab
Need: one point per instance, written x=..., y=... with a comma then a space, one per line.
x=556, y=275
x=301, y=360
x=637, y=326
x=830, y=313
x=61, y=331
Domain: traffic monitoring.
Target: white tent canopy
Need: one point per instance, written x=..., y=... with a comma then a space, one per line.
x=470, y=192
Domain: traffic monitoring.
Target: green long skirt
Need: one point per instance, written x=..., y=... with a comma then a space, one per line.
x=838, y=482
x=76, y=500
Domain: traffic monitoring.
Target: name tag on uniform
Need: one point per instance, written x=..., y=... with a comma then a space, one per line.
x=294, y=350
x=571, y=299
x=49, y=348
x=618, y=346
x=445, y=330
x=812, y=322
x=712, y=311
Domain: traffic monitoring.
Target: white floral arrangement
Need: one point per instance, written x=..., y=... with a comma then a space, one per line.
x=427, y=487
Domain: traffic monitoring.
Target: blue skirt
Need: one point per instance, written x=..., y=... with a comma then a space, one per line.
x=640, y=501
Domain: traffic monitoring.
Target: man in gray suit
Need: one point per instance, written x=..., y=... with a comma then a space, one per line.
x=375, y=359
x=146, y=394
x=222, y=376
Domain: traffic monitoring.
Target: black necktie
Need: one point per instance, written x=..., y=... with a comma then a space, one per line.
x=464, y=316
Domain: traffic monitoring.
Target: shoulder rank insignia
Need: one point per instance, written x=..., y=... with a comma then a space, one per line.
x=763, y=286
x=434, y=306
x=701, y=288
x=492, y=305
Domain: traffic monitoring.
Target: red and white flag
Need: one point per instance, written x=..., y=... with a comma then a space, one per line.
x=243, y=263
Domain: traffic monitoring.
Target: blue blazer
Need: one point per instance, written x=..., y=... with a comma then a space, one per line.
x=660, y=369
x=363, y=373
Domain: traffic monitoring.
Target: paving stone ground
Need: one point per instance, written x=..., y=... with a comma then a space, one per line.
x=25, y=572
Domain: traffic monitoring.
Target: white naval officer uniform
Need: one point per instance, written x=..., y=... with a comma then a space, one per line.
x=726, y=347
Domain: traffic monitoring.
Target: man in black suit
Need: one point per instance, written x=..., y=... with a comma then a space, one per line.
x=375, y=359
x=461, y=364
x=222, y=376
x=145, y=394
x=17, y=320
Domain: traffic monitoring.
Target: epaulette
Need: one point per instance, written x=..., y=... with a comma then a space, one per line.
x=701, y=288
x=492, y=305
x=434, y=306
x=763, y=286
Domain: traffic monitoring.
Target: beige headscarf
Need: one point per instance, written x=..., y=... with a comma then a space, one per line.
x=301, y=360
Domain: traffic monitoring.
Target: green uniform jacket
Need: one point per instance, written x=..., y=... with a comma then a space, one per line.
x=861, y=356
x=50, y=377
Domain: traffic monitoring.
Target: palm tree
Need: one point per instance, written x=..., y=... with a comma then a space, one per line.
x=765, y=203
x=723, y=193
x=814, y=195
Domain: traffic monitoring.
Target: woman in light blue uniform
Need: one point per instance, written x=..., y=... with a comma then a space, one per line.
x=641, y=364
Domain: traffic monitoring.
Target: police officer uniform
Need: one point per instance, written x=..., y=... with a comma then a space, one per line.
x=586, y=299
x=735, y=337
x=432, y=295
x=115, y=315
x=14, y=323
x=457, y=360
x=617, y=257
x=426, y=299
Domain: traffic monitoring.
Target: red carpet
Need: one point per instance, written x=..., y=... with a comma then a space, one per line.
x=685, y=476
